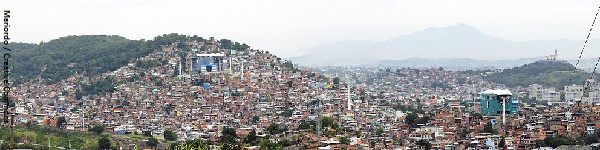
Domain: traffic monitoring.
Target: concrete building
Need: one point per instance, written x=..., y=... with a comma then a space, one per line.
x=551, y=97
x=594, y=97
x=203, y=63
x=536, y=91
x=573, y=92
x=491, y=102
x=552, y=57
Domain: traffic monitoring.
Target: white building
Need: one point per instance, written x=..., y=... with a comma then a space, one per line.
x=573, y=92
x=552, y=57
x=551, y=97
x=536, y=91
x=594, y=97
x=21, y=110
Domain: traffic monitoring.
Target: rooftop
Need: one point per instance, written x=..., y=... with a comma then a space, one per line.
x=498, y=92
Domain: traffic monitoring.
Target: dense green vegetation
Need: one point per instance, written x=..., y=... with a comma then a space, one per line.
x=413, y=119
x=98, y=129
x=557, y=141
x=549, y=73
x=424, y=144
x=488, y=128
x=152, y=142
x=196, y=144
x=37, y=137
x=91, y=55
x=170, y=135
x=275, y=129
x=100, y=86
x=104, y=143
x=229, y=139
x=60, y=58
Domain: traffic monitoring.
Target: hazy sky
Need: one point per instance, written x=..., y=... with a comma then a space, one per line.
x=287, y=27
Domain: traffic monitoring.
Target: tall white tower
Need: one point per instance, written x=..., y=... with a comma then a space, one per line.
x=180, y=69
x=349, y=99
x=242, y=70
x=504, y=99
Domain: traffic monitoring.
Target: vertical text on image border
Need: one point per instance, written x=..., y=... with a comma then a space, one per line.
x=6, y=70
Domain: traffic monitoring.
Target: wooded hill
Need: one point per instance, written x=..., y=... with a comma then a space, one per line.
x=549, y=73
x=58, y=59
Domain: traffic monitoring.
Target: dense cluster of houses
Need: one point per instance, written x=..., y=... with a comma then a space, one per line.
x=252, y=89
x=453, y=101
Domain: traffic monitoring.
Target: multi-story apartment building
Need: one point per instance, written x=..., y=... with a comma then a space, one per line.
x=573, y=92
x=492, y=102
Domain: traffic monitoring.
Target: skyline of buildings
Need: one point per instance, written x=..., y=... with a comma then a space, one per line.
x=257, y=90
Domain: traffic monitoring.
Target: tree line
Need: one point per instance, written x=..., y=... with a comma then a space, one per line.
x=60, y=58
x=549, y=73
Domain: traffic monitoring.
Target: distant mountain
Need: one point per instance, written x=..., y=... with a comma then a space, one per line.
x=550, y=73
x=340, y=54
x=457, y=64
x=459, y=41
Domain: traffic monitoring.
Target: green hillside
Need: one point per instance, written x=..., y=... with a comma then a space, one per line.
x=549, y=73
x=93, y=54
x=58, y=59
x=38, y=137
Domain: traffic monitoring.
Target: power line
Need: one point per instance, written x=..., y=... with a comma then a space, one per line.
x=585, y=44
x=585, y=86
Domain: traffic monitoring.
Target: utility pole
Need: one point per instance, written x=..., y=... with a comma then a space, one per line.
x=503, y=111
x=349, y=99
x=230, y=64
x=242, y=70
x=504, y=99
x=318, y=121
x=12, y=130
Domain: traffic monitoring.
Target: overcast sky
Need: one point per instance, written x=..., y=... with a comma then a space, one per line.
x=287, y=27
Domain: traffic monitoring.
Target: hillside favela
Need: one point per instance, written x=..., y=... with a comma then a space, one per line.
x=333, y=76
x=189, y=92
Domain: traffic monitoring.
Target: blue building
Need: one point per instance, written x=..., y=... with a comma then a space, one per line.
x=207, y=63
x=491, y=102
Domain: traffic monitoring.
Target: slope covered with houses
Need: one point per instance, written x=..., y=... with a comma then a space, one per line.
x=195, y=88
x=201, y=89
